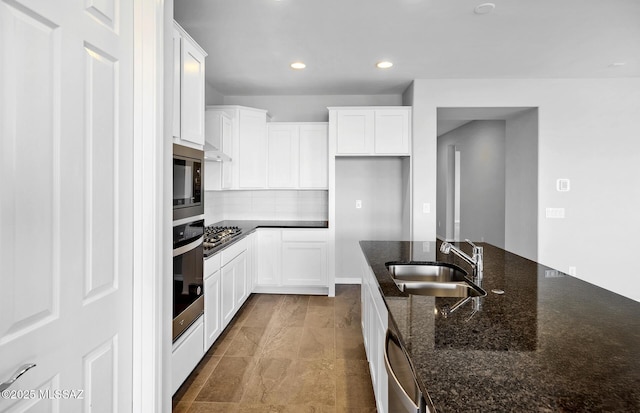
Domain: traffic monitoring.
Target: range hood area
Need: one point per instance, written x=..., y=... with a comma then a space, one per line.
x=212, y=153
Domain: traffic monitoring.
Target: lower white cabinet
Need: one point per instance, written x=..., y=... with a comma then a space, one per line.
x=291, y=260
x=268, y=257
x=187, y=352
x=374, y=328
x=212, y=319
x=304, y=257
x=233, y=280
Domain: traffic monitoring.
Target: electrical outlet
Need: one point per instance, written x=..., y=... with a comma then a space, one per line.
x=426, y=246
x=358, y=204
x=426, y=208
x=572, y=271
x=552, y=274
x=554, y=213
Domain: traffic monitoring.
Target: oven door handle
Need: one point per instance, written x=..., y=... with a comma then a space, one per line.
x=186, y=248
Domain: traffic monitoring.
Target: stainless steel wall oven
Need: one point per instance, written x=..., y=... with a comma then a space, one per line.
x=188, y=186
x=188, y=288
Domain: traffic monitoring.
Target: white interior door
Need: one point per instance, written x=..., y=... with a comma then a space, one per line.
x=66, y=204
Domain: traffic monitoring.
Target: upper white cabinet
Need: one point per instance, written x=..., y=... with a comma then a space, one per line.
x=218, y=150
x=371, y=130
x=248, y=166
x=188, y=88
x=297, y=155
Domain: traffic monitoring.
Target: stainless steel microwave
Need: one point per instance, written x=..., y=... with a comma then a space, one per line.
x=188, y=185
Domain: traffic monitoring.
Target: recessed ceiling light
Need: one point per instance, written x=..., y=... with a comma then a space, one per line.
x=617, y=64
x=384, y=65
x=484, y=8
x=298, y=65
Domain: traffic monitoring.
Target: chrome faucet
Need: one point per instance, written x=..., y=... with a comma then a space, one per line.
x=476, y=261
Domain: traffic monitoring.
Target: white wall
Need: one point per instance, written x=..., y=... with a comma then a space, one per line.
x=212, y=96
x=521, y=185
x=588, y=132
x=309, y=108
x=482, y=180
x=377, y=182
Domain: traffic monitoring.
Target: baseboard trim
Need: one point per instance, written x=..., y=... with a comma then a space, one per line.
x=268, y=289
x=348, y=280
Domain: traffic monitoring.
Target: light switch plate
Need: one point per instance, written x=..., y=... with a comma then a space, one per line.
x=426, y=208
x=563, y=185
x=358, y=204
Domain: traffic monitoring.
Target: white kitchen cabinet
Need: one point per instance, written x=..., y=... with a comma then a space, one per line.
x=212, y=318
x=371, y=131
x=374, y=327
x=191, y=88
x=251, y=262
x=248, y=168
x=314, y=156
x=233, y=284
x=268, y=257
x=186, y=354
x=218, y=135
x=304, y=257
x=283, y=159
x=291, y=261
x=177, y=57
x=298, y=155
x=354, y=131
x=391, y=131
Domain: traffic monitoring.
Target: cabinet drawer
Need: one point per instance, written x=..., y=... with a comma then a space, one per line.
x=233, y=251
x=211, y=265
x=187, y=352
x=304, y=235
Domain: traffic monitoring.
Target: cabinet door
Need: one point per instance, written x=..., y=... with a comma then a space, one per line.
x=304, y=263
x=314, y=157
x=252, y=155
x=268, y=254
x=354, y=131
x=227, y=293
x=177, y=56
x=304, y=257
x=283, y=156
x=227, y=148
x=392, y=131
x=240, y=275
x=212, y=319
x=192, y=96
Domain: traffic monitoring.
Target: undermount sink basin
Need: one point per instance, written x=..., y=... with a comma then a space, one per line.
x=460, y=289
x=433, y=279
x=435, y=272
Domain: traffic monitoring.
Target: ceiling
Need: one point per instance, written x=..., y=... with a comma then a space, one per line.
x=251, y=43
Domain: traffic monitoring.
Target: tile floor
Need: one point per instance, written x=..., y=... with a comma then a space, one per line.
x=285, y=354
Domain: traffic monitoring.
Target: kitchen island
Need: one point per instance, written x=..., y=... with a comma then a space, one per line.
x=550, y=343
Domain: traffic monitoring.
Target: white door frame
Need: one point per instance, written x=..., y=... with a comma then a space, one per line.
x=151, y=326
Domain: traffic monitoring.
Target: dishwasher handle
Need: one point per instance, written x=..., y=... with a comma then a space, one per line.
x=406, y=400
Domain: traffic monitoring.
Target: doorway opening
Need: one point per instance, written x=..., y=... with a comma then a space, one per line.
x=487, y=179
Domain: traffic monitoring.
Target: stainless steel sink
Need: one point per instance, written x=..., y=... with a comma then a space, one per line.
x=433, y=279
x=460, y=289
x=426, y=272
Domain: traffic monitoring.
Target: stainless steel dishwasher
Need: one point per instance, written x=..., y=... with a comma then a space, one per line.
x=404, y=393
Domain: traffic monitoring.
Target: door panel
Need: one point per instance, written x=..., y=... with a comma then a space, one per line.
x=66, y=178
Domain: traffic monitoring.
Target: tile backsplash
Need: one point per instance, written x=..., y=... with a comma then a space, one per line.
x=266, y=205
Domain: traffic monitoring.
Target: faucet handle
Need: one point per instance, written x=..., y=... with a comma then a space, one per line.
x=472, y=244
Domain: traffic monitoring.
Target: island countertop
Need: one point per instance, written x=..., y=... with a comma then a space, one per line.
x=550, y=343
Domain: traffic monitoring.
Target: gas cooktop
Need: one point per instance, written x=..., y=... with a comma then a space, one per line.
x=214, y=236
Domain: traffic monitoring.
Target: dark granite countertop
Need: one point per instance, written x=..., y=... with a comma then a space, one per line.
x=248, y=226
x=550, y=343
